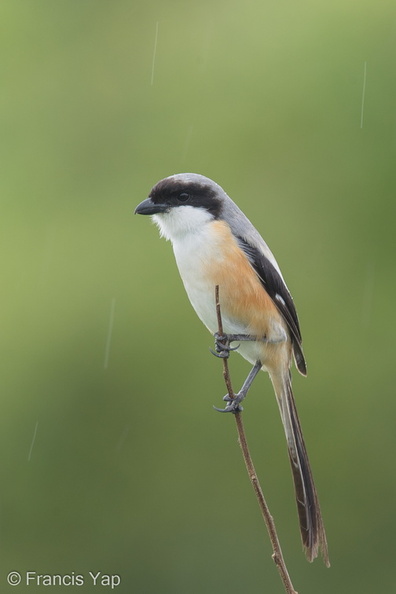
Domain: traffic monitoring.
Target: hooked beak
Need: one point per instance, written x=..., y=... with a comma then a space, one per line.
x=148, y=207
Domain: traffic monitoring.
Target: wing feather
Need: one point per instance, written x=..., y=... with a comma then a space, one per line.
x=275, y=286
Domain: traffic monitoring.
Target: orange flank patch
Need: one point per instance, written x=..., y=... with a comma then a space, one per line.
x=242, y=295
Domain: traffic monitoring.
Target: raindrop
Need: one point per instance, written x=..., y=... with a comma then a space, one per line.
x=109, y=333
x=154, y=53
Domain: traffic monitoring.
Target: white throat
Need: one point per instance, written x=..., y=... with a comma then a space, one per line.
x=181, y=221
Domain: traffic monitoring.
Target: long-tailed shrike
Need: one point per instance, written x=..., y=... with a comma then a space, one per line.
x=215, y=244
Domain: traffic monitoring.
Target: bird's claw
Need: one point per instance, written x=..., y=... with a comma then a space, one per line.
x=233, y=406
x=224, y=354
x=222, y=346
x=230, y=409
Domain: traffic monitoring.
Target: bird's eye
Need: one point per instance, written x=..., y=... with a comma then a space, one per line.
x=183, y=197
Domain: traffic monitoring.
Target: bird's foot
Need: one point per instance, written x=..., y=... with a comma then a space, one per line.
x=222, y=346
x=234, y=404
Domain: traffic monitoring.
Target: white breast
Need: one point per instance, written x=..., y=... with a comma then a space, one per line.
x=189, y=230
x=193, y=254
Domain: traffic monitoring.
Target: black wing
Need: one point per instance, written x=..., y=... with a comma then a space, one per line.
x=277, y=290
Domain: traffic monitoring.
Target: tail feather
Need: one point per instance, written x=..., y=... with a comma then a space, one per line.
x=312, y=530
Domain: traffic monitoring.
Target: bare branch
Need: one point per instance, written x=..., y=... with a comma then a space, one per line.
x=277, y=555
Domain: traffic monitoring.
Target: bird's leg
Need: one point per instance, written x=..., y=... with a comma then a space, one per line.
x=250, y=337
x=233, y=405
x=223, y=341
x=244, y=337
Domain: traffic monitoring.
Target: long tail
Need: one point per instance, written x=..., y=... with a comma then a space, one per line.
x=313, y=534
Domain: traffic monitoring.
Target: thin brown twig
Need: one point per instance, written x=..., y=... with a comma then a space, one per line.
x=277, y=555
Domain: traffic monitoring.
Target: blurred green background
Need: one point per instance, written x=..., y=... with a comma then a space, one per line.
x=111, y=456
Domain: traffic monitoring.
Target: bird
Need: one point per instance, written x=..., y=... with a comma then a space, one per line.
x=215, y=244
